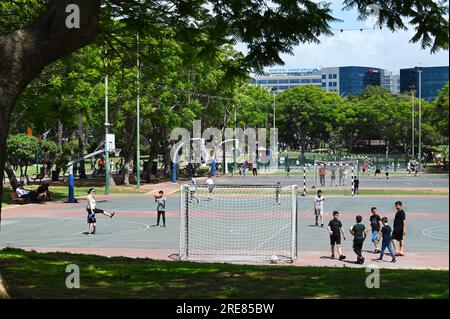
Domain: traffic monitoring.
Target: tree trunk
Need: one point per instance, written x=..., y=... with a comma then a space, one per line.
x=26, y=52
x=60, y=133
x=12, y=177
x=6, y=105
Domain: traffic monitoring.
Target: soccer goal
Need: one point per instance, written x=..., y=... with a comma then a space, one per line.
x=238, y=223
x=335, y=173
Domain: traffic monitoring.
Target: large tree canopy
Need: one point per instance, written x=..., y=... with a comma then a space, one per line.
x=34, y=33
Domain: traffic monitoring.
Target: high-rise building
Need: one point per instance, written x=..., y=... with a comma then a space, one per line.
x=433, y=79
x=351, y=80
x=279, y=80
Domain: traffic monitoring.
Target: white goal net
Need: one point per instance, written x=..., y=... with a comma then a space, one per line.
x=244, y=223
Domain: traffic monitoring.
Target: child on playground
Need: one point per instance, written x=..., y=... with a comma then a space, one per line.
x=335, y=230
x=160, y=201
x=359, y=235
x=278, y=193
x=210, y=183
x=375, y=228
x=318, y=207
x=386, y=232
x=192, y=190
x=356, y=185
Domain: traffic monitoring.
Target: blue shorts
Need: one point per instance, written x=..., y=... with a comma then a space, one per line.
x=375, y=237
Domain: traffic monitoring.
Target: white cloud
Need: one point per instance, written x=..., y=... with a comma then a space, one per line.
x=383, y=49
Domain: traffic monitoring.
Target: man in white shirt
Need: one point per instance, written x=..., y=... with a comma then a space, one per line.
x=30, y=196
x=318, y=208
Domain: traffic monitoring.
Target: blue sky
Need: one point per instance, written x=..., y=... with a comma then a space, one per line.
x=377, y=48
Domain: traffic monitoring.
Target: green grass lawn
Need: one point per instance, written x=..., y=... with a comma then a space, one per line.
x=33, y=275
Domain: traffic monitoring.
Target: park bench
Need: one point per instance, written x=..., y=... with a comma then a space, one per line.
x=17, y=200
x=39, y=177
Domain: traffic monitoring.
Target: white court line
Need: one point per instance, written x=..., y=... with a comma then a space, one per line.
x=429, y=232
x=146, y=226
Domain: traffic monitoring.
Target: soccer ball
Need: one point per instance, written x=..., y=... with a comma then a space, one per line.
x=274, y=259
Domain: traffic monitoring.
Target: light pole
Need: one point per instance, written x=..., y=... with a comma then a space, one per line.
x=107, y=166
x=413, y=109
x=274, y=104
x=420, y=70
x=138, y=119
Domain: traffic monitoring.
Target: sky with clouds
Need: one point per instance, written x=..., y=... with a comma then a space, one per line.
x=376, y=48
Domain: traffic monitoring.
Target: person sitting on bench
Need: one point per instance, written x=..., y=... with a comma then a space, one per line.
x=43, y=193
x=30, y=196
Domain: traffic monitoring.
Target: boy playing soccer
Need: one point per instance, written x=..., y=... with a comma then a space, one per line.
x=359, y=235
x=318, y=208
x=160, y=208
x=210, y=183
x=278, y=193
x=375, y=227
x=387, y=241
x=335, y=229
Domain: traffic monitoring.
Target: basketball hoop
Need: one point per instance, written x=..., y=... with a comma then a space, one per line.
x=116, y=152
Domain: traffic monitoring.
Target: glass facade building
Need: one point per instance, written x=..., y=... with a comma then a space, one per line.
x=354, y=79
x=433, y=79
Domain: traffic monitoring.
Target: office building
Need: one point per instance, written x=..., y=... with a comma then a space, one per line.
x=433, y=79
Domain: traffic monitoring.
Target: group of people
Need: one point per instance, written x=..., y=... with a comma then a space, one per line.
x=245, y=166
x=378, y=171
x=160, y=201
x=379, y=229
x=342, y=170
x=42, y=193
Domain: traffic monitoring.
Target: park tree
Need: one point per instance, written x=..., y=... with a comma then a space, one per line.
x=254, y=105
x=21, y=151
x=307, y=116
x=48, y=152
x=35, y=33
x=435, y=123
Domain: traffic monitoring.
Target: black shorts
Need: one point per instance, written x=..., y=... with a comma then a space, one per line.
x=91, y=217
x=335, y=240
x=377, y=171
x=397, y=234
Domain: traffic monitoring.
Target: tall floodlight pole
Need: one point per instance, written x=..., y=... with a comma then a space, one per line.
x=138, y=119
x=224, y=155
x=274, y=111
x=420, y=70
x=413, y=137
x=107, y=166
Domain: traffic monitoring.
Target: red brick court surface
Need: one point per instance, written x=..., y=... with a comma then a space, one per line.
x=62, y=227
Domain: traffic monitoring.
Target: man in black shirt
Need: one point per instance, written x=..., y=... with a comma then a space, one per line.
x=399, y=231
x=335, y=229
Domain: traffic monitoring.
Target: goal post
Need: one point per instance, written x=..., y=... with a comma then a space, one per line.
x=239, y=223
x=335, y=173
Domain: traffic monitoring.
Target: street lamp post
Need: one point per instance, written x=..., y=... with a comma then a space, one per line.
x=138, y=119
x=413, y=137
x=107, y=166
x=274, y=110
x=420, y=70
